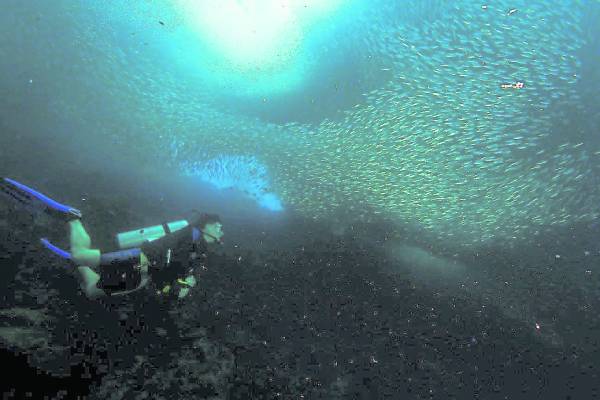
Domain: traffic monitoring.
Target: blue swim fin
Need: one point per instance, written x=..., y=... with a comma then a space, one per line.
x=31, y=198
x=56, y=250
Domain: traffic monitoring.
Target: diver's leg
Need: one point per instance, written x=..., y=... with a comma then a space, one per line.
x=90, y=278
x=80, y=246
x=84, y=257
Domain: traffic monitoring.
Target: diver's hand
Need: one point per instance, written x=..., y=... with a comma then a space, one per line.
x=186, y=285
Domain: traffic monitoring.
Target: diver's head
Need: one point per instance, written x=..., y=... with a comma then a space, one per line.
x=213, y=232
x=210, y=227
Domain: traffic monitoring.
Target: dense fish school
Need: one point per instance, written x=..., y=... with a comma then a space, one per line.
x=458, y=137
x=441, y=144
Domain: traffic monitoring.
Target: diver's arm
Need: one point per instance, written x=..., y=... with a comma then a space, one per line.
x=186, y=285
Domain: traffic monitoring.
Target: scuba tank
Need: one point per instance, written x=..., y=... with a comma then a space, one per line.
x=137, y=237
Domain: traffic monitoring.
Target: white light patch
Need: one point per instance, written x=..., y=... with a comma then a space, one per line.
x=254, y=34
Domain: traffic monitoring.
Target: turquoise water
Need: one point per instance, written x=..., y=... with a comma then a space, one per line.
x=445, y=153
x=397, y=107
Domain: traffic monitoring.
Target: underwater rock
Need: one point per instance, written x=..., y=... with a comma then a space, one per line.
x=24, y=338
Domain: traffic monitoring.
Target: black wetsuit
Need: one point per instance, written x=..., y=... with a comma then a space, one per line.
x=174, y=256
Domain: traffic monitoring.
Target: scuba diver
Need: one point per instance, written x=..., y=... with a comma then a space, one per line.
x=168, y=254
